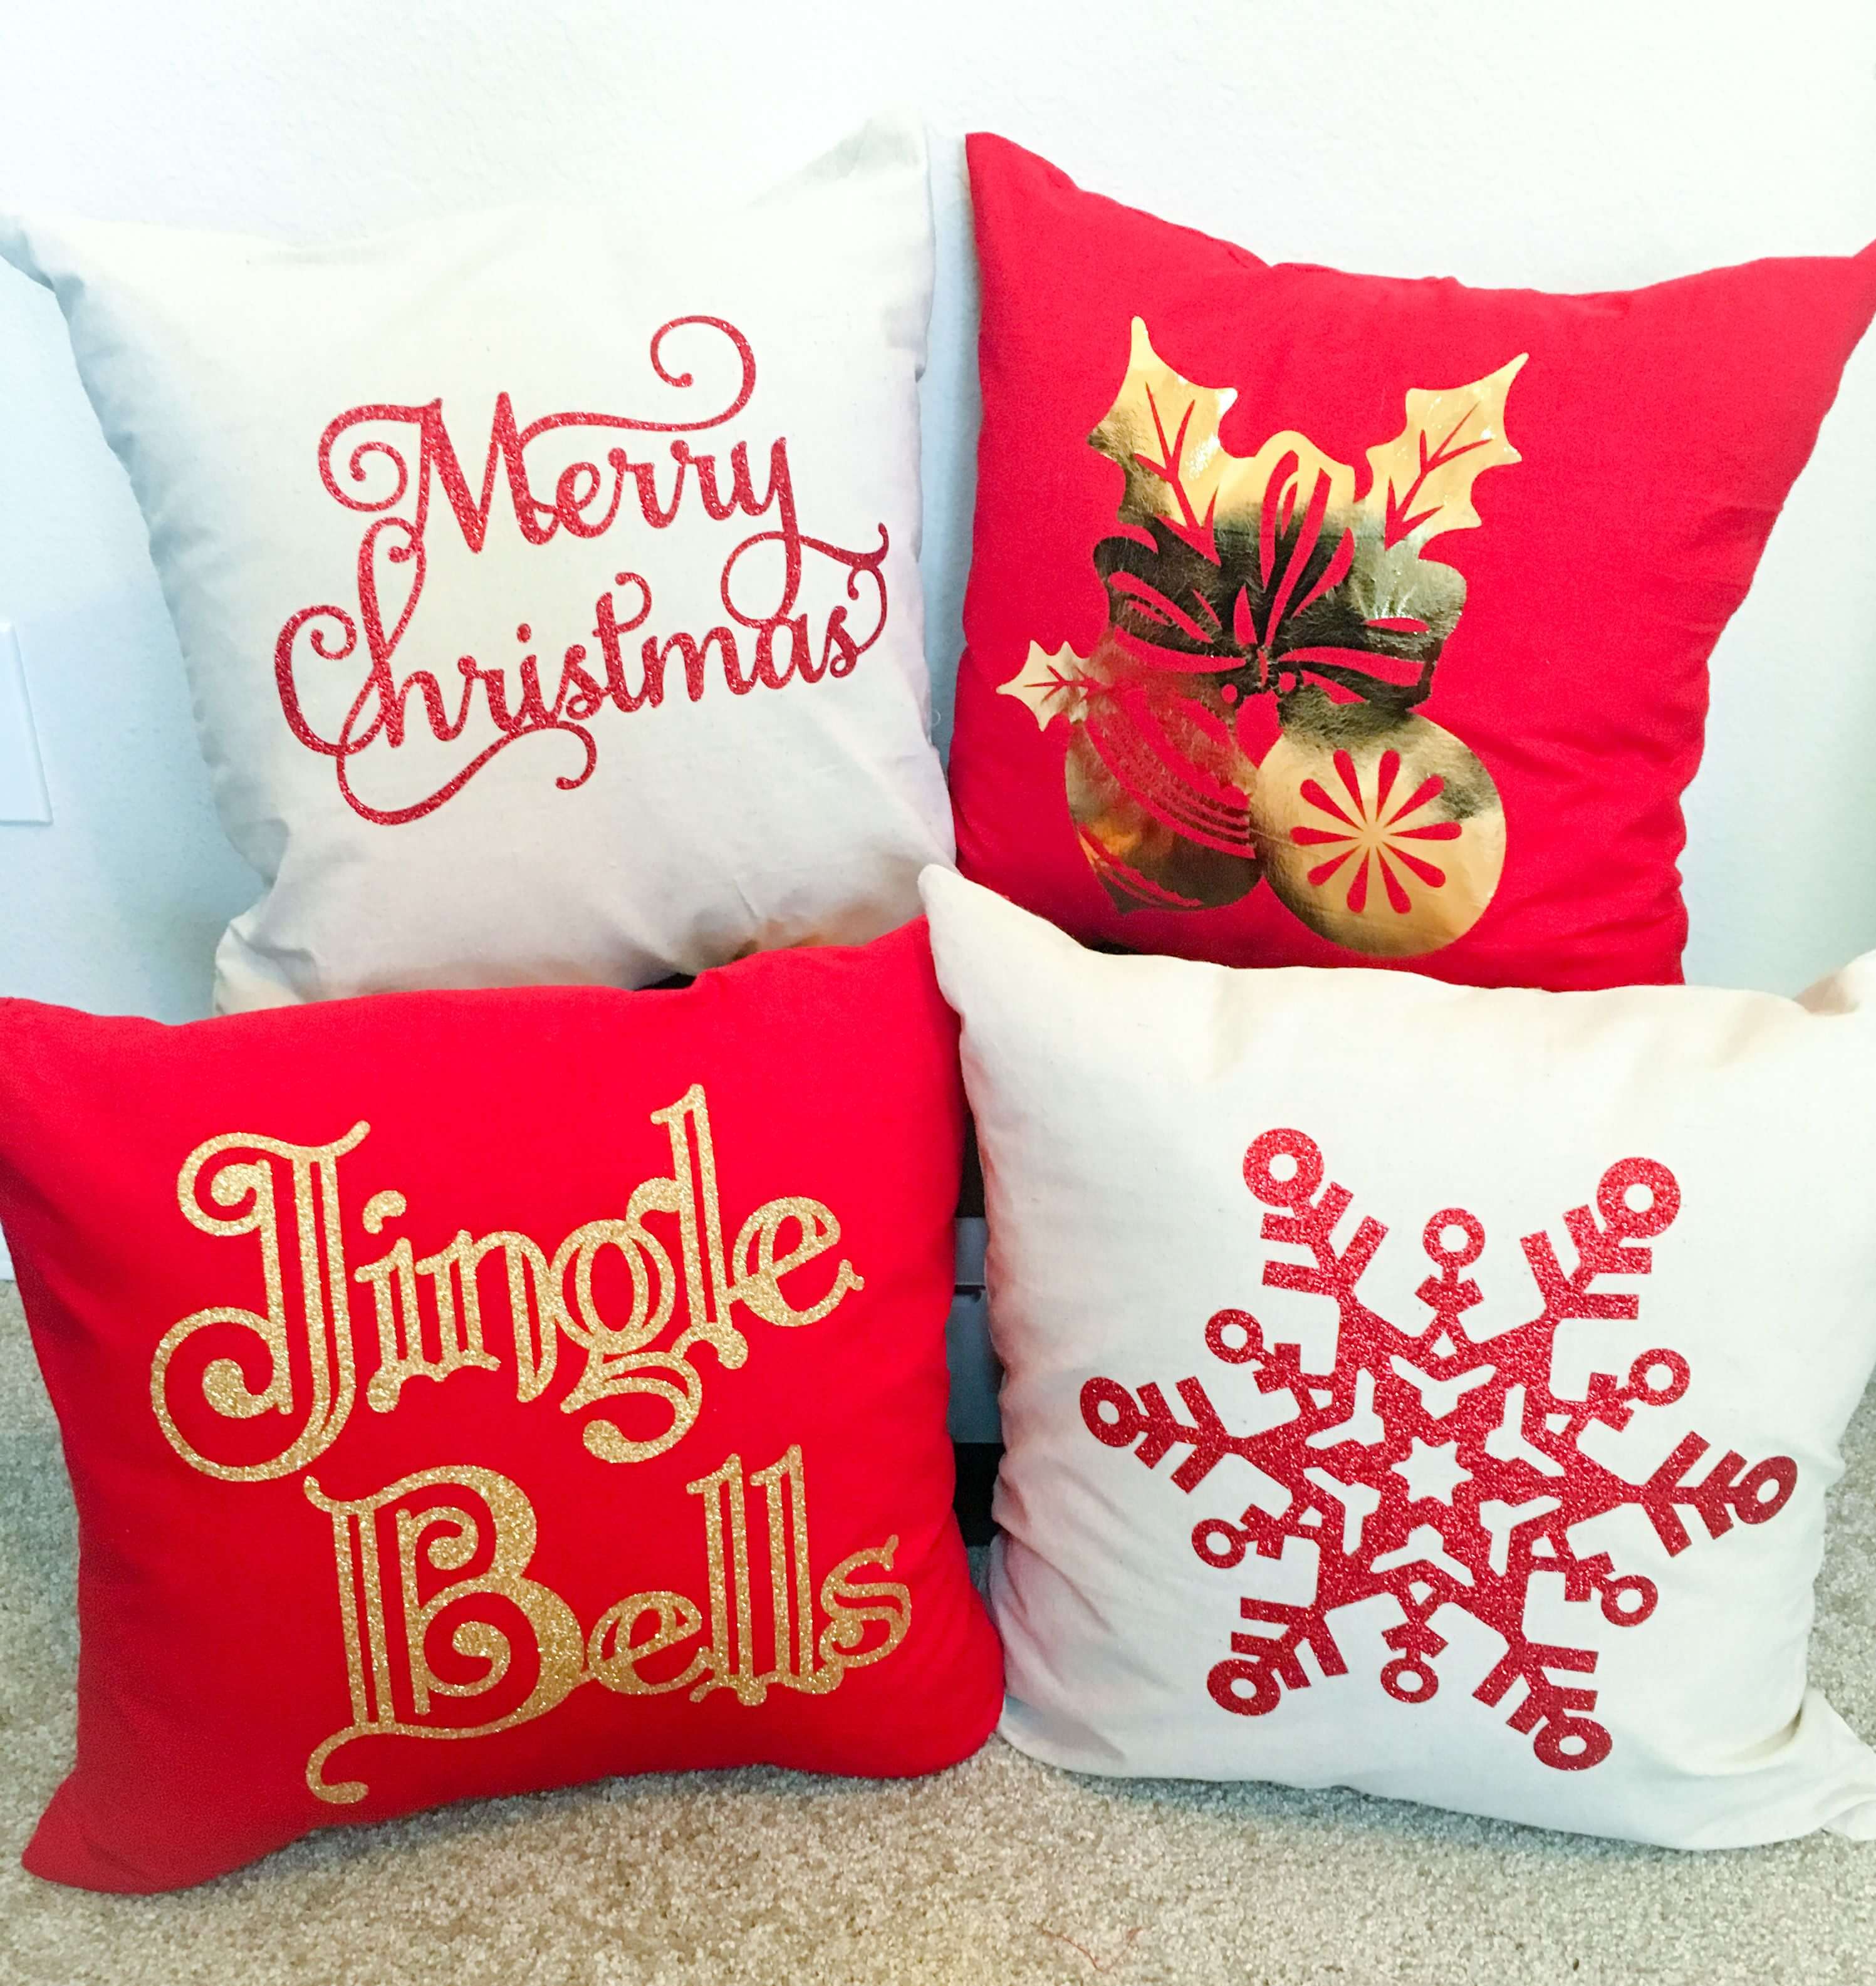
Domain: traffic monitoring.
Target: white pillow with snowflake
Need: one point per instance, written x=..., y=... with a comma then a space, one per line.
x=1419, y=1388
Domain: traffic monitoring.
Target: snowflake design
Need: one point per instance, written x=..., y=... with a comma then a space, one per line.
x=1373, y=834
x=1432, y=1469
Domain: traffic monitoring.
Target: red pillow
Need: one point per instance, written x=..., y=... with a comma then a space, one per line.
x=1282, y=712
x=558, y=1371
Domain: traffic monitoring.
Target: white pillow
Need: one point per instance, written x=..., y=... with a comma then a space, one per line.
x=1230, y=1361
x=360, y=463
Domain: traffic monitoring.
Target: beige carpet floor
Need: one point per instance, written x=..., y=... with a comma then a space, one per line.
x=999, y=1871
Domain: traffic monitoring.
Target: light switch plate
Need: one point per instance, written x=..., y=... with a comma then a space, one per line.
x=23, y=798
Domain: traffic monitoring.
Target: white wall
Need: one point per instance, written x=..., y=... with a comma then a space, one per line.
x=1574, y=145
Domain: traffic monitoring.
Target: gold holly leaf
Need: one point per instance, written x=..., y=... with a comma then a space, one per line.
x=1163, y=430
x=1421, y=482
x=1053, y=686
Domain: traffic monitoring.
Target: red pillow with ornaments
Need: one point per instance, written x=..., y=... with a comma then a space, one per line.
x=470, y=1392
x=1237, y=687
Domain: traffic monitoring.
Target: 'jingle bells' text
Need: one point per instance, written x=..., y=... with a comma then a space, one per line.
x=390, y=1547
x=287, y=1198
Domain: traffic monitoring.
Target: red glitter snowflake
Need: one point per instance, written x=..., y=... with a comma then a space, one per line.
x=1432, y=1469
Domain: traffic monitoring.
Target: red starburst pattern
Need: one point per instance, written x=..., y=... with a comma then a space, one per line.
x=1372, y=839
x=1432, y=1469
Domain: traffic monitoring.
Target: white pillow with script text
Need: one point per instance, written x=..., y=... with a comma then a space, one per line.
x=547, y=578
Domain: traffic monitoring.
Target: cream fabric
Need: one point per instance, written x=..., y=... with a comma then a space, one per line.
x=363, y=463
x=1435, y=1442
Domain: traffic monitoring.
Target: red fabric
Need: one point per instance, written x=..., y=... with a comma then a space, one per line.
x=213, y=1642
x=1656, y=433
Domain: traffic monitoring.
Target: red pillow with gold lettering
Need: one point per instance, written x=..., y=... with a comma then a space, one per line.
x=1319, y=619
x=470, y=1392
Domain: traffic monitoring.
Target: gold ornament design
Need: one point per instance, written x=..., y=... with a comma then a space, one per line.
x=1382, y=833
x=1237, y=577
